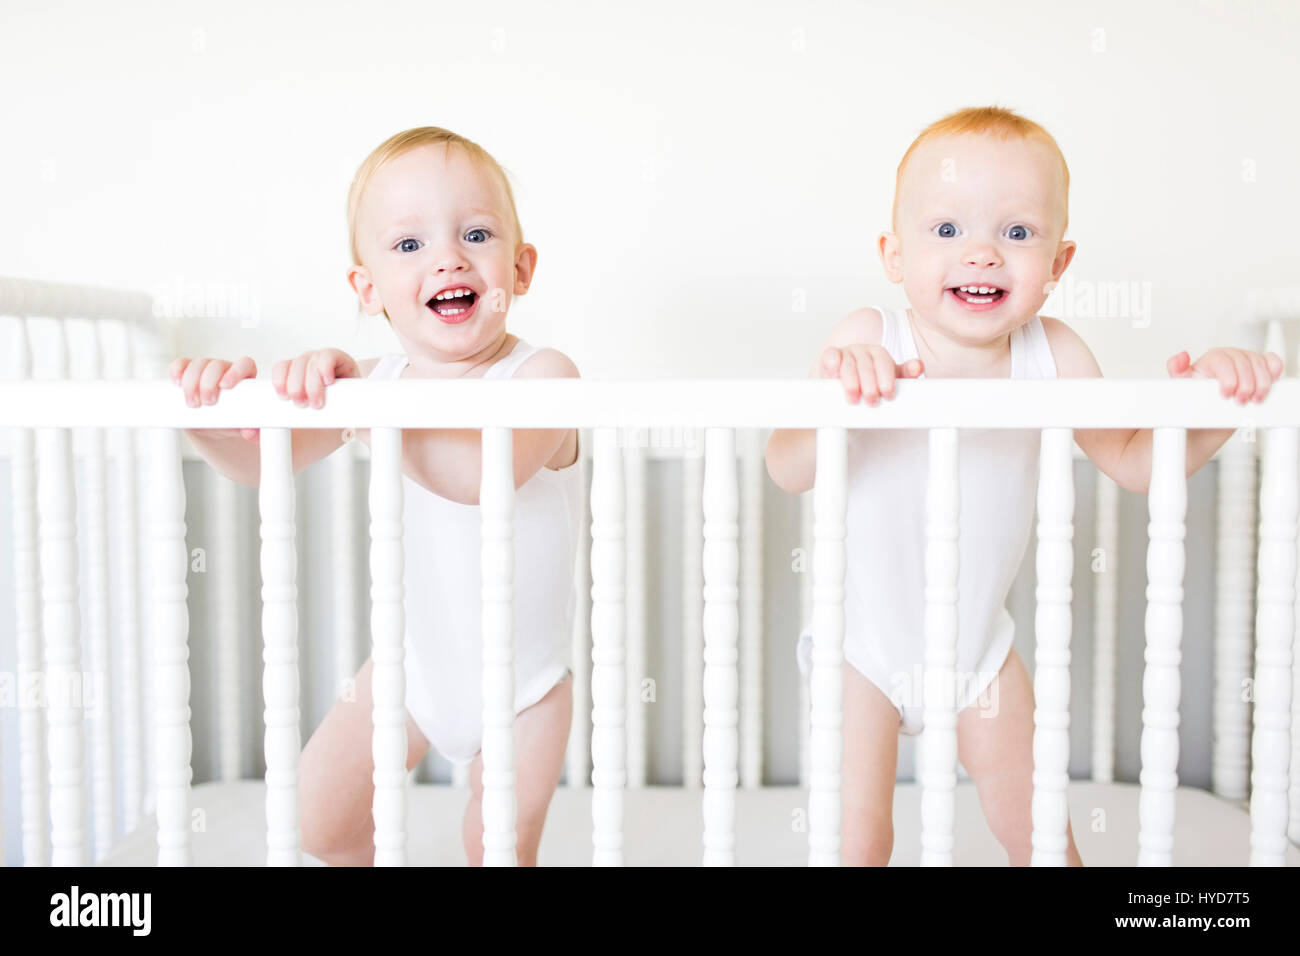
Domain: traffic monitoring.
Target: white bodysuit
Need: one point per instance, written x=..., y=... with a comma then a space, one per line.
x=884, y=604
x=443, y=583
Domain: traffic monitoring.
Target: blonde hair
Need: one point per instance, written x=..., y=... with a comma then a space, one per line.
x=406, y=141
x=983, y=121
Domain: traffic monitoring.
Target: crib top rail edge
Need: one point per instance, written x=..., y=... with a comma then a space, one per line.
x=697, y=403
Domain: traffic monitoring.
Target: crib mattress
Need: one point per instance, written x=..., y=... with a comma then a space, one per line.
x=664, y=825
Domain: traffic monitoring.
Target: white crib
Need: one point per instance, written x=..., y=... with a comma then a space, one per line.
x=119, y=397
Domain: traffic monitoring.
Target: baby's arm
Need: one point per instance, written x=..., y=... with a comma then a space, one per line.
x=235, y=453
x=851, y=353
x=448, y=461
x=1125, y=453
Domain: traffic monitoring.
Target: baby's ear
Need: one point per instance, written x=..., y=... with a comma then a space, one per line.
x=525, y=266
x=364, y=287
x=891, y=256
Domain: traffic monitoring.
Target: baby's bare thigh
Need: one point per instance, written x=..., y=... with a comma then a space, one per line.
x=336, y=771
x=870, y=751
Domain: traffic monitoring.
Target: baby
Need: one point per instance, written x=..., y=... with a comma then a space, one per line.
x=438, y=250
x=980, y=209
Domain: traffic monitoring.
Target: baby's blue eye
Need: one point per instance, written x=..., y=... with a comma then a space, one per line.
x=1017, y=232
x=480, y=232
x=403, y=242
x=945, y=230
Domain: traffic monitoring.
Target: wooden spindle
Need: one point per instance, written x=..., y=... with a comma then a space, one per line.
x=805, y=615
x=1161, y=686
x=721, y=630
x=497, y=566
x=693, y=612
x=1052, y=627
x=169, y=637
x=608, y=617
x=280, y=647
x=634, y=470
x=1234, y=626
x=344, y=550
x=936, y=755
x=826, y=690
x=751, y=609
x=61, y=624
x=578, y=759
x=1275, y=627
x=33, y=768
x=388, y=651
x=1104, y=626
x=228, y=590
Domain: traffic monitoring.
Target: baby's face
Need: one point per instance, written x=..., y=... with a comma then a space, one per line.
x=431, y=222
x=980, y=212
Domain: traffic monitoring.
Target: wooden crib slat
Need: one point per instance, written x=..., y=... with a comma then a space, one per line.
x=344, y=550
x=125, y=576
x=634, y=475
x=497, y=509
x=805, y=615
x=227, y=590
x=577, y=759
x=936, y=755
x=1275, y=627
x=826, y=688
x=99, y=674
x=33, y=768
x=693, y=611
x=1234, y=627
x=721, y=631
x=1052, y=631
x=608, y=618
x=1105, y=565
x=388, y=652
x=169, y=636
x=279, y=562
x=751, y=609
x=57, y=507
x=1161, y=684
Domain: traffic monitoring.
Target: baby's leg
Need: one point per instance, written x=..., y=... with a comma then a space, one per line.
x=869, y=769
x=541, y=735
x=336, y=779
x=998, y=753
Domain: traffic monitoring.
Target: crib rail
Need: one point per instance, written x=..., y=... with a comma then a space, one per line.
x=611, y=410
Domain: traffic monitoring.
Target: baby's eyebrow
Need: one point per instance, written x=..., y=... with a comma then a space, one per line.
x=413, y=219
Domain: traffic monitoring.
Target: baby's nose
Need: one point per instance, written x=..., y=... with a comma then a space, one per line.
x=981, y=257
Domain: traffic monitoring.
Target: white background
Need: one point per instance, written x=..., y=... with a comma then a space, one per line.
x=689, y=171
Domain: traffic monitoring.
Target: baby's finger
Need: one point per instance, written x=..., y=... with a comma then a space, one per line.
x=1245, y=376
x=279, y=373
x=190, y=382
x=831, y=362
x=883, y=365
x=177, y=368
x=250, y=434
x=1275, y=365
x=1259, y=368
x=849, y=377
x=210, y=381
x=293, y=385
x=1178, y=365
x=912, y=368
x=243, y=368
x=314, y=385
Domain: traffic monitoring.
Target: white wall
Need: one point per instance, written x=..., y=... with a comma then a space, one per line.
x=686, y=169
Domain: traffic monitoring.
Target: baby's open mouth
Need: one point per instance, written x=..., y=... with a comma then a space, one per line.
x=978, y=294
x=453, y=302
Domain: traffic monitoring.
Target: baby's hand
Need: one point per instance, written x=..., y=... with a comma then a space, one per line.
x=1247, y=374
x=867, y=371
x=201, y=381
x=304, y=379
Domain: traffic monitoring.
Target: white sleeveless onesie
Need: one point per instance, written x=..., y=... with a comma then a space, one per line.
x=443, y=583
x=884, y=604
